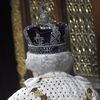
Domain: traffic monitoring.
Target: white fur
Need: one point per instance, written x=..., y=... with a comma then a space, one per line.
x=44, y=63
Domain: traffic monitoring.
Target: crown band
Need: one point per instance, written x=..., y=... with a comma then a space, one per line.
x=48, y=48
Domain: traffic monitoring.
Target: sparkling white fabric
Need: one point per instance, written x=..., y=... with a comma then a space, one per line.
x=44, y=63
x=56, y=86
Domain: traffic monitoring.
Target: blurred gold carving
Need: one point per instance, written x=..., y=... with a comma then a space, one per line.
x=82, y=36
x=18, y=39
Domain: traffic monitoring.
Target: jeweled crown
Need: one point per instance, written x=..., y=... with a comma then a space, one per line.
x=46, y=37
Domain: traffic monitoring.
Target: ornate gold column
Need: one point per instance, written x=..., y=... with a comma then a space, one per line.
x=18, y=38
x=82, y=36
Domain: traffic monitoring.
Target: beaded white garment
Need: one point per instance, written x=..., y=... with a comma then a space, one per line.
x=56, y=86
x=44, y=63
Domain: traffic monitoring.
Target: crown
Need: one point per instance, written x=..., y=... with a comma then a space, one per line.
x=46, y=37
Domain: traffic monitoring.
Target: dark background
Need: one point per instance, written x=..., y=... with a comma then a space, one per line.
x=8, y=74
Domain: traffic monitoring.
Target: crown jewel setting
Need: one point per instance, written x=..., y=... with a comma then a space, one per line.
x=46, y=37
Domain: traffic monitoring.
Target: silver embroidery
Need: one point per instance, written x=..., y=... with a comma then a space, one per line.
x=55, y=35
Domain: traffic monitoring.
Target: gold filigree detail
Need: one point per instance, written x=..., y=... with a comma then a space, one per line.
x=83, y=44
x=38, y=93
x=88, y=94
x=18, y=38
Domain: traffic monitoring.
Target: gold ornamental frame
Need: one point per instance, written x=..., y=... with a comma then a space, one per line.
x=18, y=39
